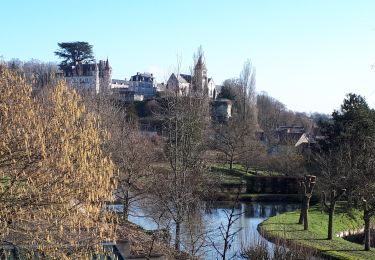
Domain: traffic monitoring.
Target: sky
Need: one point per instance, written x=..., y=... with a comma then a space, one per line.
x=307, y=54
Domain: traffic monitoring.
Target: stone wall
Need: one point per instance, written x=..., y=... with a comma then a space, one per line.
x=264, y=185
x=271, y=185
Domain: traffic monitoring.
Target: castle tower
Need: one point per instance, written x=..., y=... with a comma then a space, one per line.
x=200, y=81
x=105, y=76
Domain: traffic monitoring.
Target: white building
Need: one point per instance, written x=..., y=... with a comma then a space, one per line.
x=140, y=86
x=90, y=77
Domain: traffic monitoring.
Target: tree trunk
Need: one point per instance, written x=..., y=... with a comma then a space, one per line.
x=366, y=218
x=178, y=232
x=306, y=213
x=125, y=211
x=231, y=163
x=331, y=212
x=331, y=208
x=300, y=221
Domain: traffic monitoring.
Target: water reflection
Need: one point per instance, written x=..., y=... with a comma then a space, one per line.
x=204, y=228
x=253, y=215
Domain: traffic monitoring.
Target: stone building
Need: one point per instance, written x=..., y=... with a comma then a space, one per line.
x=143, y=84
x=221, y=109
x=140, y=86
x=90, y=77
x=199, y=83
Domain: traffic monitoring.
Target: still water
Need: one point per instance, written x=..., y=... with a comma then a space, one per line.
x=204, y=235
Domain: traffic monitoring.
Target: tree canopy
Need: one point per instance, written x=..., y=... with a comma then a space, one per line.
x=74, y=53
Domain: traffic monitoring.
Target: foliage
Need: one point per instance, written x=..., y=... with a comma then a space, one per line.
x=74, y=53
x=345, y=157
x=57, y=178
x=229, y=90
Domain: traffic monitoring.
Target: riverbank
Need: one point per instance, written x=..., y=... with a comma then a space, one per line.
x=138, y=243
x=250, y=197
x=284, y=226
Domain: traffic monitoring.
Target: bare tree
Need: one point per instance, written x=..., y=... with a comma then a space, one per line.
x=227, y=232
x=180, y=188
x=330, y=206
x=333, y=168
x=269, y=115
x=247, y=83
x=133, y=155
x=307, y=183
x=236, y=137
x=254, y=155
x=36, y=73
x=232, y=139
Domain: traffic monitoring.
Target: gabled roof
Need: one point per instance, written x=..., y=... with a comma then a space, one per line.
x=184, y=78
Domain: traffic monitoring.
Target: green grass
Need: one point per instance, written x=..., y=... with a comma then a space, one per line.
x=284, y=226
x=229, y=176
x=237, y=173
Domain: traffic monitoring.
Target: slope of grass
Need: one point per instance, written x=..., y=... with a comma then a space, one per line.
x=285, y=226
x=237, y=173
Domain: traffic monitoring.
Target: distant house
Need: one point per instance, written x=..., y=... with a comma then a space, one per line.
x=180, y=83
x=90, y=77
x=143, y=84
x=289, y=134
x=140, y=86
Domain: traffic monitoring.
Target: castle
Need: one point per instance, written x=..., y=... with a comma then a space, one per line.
x=90, y=77
x=96, y=78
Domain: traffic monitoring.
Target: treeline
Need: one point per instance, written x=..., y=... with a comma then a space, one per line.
x=343, y=160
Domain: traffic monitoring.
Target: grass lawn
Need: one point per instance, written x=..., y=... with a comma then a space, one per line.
x=284, y=226
x=235, y=175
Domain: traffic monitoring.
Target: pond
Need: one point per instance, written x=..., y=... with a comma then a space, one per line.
x=250, y=214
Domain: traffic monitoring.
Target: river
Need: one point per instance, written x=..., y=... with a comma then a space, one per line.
x=250, y=214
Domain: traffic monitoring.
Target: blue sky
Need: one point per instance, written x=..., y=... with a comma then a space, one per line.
x=307, y=54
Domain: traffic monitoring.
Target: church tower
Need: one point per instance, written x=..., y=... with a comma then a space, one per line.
x=200, y=81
